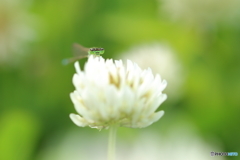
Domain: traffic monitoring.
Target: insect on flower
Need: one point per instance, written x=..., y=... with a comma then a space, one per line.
x=81, y=52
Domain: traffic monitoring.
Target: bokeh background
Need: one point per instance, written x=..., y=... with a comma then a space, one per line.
x=195, y=45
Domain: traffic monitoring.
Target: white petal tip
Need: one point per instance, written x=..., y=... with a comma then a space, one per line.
x=77, y=67
x=78, y=120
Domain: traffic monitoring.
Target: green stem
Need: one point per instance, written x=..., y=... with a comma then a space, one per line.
x=112, y=142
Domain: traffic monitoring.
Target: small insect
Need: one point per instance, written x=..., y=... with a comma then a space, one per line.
x=81, y=52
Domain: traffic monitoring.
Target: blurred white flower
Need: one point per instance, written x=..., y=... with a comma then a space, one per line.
x=15, y=30
x=177, y=144
x=202, y=11
x=162, y=60
x=108, y=93
x=71, y=146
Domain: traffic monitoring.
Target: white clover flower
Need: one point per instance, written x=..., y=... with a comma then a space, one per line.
x=108, y=93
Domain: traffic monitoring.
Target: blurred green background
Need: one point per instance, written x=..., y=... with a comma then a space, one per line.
x=34, y=86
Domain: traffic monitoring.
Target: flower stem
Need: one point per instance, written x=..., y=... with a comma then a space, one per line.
x=112, y=142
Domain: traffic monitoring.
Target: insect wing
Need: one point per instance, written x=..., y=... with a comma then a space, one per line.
x=79, y=50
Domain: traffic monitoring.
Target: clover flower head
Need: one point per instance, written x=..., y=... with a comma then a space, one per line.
x=109, y=93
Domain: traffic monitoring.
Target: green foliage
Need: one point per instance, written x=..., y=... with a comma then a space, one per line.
x=19, y=135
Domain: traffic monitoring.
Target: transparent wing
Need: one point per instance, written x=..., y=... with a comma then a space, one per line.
x=73, y=59
x=79, y=52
